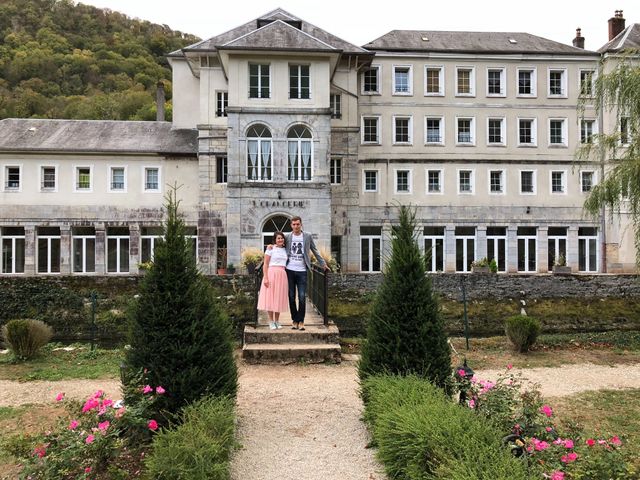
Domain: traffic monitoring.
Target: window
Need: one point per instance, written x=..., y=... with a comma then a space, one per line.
x=335, y=102
x=434, y=248
x=152, y=179
x=13, y=253
x=403, y=181
x=528, y=181
x=495, y=82
x=370, y=180
x=465, y=248
x=258, y=153
x=48, y=179
x=402, y=80
x=48, y=249
x=117, y=180
x=558, y=181
x=558, y=132
x=221, y=169
x=402, y=128
x=371, y=80
x=557, y=83
x=526, y=82
x=434, y=80
x=495, y=131
x=587, y=129
x=370, y=131
x=222, y=101
x=191, y=234
x=435, y=130
x=556, y=245
x=148, y=238
x=370, y=243
x=259, y=81
x=118, y=250
x=300, y=154
x=465, y=181
x=527, y=131
x=586, y=82
x=465, y=131
x=624, y=130
x=496, y=181
x=12, y=178
x=465, y=81
x=84, y=249
x=587, y=249
x=527, y=244
x=587, y=180
x=84, y=179
x=434, y=181
x=335, y=171
x=299, y=81
x=497, y=246
x=336, y=249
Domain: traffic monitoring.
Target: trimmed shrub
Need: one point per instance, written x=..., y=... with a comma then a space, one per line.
x=25, y=337
x=522, y=331
x=200, y=447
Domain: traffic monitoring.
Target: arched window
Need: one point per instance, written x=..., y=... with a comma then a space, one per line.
x=277, y=223
x=259, y=165
x=300, y=153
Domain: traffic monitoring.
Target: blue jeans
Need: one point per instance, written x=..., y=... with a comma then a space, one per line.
x=299, y=280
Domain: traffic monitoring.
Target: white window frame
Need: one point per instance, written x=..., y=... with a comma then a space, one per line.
x=299, y=169
x=335, y=103
x=396, y=172
x=13, y=239
x=563, y=179
x=378, y=129
x=364, y=180
x=222, y=96
x=378, y=69
x=526, y=252
x=370, y=239
x=5, y=170
x=55, y=180
x=503, y=132
x=260, y=87
x=84, y=239
x=534, y=132
x=503, y=83
x=441, y=90
x=472, y=180
x=110, y=188
x=472, y=132
x=394, y=87
x=594, y=180
x=118, y=239
x=563, y=83
x=426, y=131
x=440, y=181
x=49, y=239
x=565, y=137
x=259, y=158
x=145, y=168
x=534, y=176
x=497, y=239
x=465, y=250
x=409, y=127
x=472, y=80
x=152, y=245
x=432, y=239
x=503, y=181
x=593, y=80
x=335, y=170
x=76, y=169
x=594, y=129
x=534, y=82
x=586, y=239
x=299, y=90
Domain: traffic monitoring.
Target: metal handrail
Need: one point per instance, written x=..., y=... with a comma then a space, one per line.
x=318, y=280
x=257, y=276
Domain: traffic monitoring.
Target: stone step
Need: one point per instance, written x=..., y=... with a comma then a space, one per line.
x=312, y=334
x=291, y=353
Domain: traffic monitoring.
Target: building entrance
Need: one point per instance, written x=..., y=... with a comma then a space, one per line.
x=276, y=223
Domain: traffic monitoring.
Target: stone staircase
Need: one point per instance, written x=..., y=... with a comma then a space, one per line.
x=317, y=343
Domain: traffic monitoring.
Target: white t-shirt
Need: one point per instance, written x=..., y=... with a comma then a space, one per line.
x=296, y=254
x=278, y=257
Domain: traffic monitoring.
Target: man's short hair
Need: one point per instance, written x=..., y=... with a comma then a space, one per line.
x=293, y=219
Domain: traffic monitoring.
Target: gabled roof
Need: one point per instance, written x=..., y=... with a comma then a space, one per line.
x=629, y=38
x=95, y=136
x=471, y=42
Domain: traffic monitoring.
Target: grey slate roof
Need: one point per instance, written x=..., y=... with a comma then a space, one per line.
x=96, y=136
x=627, y=39
x=471, y=42
x=211, y=44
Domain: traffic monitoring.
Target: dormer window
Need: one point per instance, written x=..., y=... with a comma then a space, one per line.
x=266, y=21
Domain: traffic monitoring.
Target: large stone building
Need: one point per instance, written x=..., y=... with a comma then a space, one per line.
x=277, y=118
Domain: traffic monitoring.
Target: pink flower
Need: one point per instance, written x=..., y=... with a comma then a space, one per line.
x=568, y=444
x=153, y=425
x=60, y=397
x=546, y=409
x=107, y=403
x=103, y=426
x=557, y=475
x=90, y=404
x=461, y=373
x=87, y=470
x=548, y=429
x=615, y=441
x=147, y=389
x=120, y=412
x=98, y=394
x=590, y=442
x=102, y=410
x=540, y=445
x=89, y=439
x=571, y=457
x=73, y=425
x=602, y=442
x=509, y=367
x=558, y=441
x=160, y=390
x=472, y=403
x=40, y=451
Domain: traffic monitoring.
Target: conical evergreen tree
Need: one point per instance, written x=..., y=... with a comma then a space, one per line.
x=179, y=335
x=405, y=332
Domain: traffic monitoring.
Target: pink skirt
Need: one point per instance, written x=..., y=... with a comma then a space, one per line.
x=275, y=298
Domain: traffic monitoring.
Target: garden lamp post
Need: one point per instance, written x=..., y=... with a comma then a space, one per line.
x=464, y=372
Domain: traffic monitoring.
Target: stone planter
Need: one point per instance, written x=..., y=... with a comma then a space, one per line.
x=561, y=270
x=481, y=269
x=222, y=271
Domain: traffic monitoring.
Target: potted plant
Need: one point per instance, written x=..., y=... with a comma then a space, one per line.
x=231, y=268
x=222, y=261
x=250, y=258
x=328, y=258
x=480, y=266
x=560, y=266
x=493, y=266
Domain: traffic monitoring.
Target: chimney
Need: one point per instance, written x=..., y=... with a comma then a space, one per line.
x=579, y=40
x=160, y=99
x=616, y=24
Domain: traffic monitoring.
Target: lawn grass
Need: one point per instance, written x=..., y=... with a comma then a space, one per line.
x=55, y=364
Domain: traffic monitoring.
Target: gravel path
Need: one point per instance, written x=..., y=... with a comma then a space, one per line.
x=19, y=393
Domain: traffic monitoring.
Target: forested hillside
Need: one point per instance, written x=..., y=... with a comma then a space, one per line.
x=62, y=60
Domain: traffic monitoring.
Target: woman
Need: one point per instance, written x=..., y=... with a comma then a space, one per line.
x=274, y=291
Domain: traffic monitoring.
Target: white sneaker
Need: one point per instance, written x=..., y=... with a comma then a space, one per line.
x=278, y=326
x=272, y=326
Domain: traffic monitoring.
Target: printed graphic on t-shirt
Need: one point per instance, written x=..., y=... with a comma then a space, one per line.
x=296, y=251
x=296, y=254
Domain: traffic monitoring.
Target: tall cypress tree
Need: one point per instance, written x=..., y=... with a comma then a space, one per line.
x=179, y=335
x=405, y=332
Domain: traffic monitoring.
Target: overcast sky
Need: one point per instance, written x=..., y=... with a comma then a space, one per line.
x=361, y=22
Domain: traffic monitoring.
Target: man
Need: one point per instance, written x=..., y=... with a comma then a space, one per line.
x=299, y=245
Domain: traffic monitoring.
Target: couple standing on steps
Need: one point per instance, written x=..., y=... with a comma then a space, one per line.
x=285, y=271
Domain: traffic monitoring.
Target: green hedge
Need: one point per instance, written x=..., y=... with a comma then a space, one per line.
x=422, y=434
